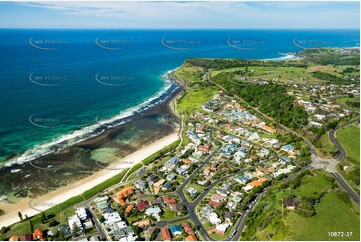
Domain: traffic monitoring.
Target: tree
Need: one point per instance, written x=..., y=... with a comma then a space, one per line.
x=31, y=226
x=43, y=218
x=4, y=230
x=74, y=230
x=61, y=235
x=20, y=216
x=53, y=223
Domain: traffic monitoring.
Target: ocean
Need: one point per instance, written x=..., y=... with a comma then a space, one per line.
x=59, y=87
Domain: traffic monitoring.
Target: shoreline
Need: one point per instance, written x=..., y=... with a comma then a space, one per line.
x=66, y=140
x=64, y=193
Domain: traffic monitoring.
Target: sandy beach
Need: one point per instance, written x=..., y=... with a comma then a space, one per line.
x=64, y=193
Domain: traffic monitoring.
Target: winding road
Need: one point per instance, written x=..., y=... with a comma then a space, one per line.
x=341, y=153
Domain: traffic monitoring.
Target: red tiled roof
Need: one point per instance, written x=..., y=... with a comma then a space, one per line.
x=168, y=200
x=38, y=234
x=187, y=228
x=25, y=237
x=142, y=205
x=191, y=237
x=165, y=234
x=214, y=204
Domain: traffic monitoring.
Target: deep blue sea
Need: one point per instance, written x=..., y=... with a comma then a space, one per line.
x=58, y=87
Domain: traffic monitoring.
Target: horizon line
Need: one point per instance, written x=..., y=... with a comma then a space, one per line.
x=105, y=28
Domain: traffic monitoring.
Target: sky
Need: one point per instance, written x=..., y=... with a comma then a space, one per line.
x=181, y=15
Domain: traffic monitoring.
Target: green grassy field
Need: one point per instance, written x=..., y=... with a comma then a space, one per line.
x=332, y=215
x=282, y=74
x=324, y=147
x=343, y=100
x=195, y=98
x=271, y=221
x=349, y=137
x=351, y=174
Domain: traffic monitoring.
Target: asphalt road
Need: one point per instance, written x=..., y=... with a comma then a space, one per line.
x=341, y=153
x=340, y=156
x=347, y=187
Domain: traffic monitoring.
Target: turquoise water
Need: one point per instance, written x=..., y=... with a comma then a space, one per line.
x=61, y=86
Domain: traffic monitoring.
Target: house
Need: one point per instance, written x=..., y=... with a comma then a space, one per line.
x=205, y=148
x=14, y=238
x=88, y=224
x=166, y=185
x=176, y=207
x=262, y=170
x=289, y=203
x=223, y=192
x=155, y=212
x=111, y=218
x=228, y=150
x=262, y=180
x=200, y=127
x=27, y=237
x=236, y=197
x=221, y=228
x=182, y=170
x=165, y=234
x=319, y=117
x=272, y=143
x=175, y=230
x=268, y=129
x=192, y=192
x=218, y=198
x=75, y=224
x=288, y=148
x=254, y=136
x=229, y=215
x=206, y=211
x=191, y=237
x=82, y=213
x=255, y=183
x=101, y=199
x=315, y=124
x=158, y=185
x=124, y=193
x=241, y=179
x=153, y=178
x=142, y=205
x=168, y=200
x=129, y=208
x=65, y=229
x=284, y=160
x=94, y=238
x=214, y=204
x=148, y=233
x=187, y=228
x=157, y=201
x=231, y=205
x=142, y=185
x=226, y=185
x=213, y=218
x=38, y=234
x=247, y=188
x=171, y=177
x=142, y=223
x=172, y=161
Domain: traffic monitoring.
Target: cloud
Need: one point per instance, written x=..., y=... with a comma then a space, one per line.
x=197, y=14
